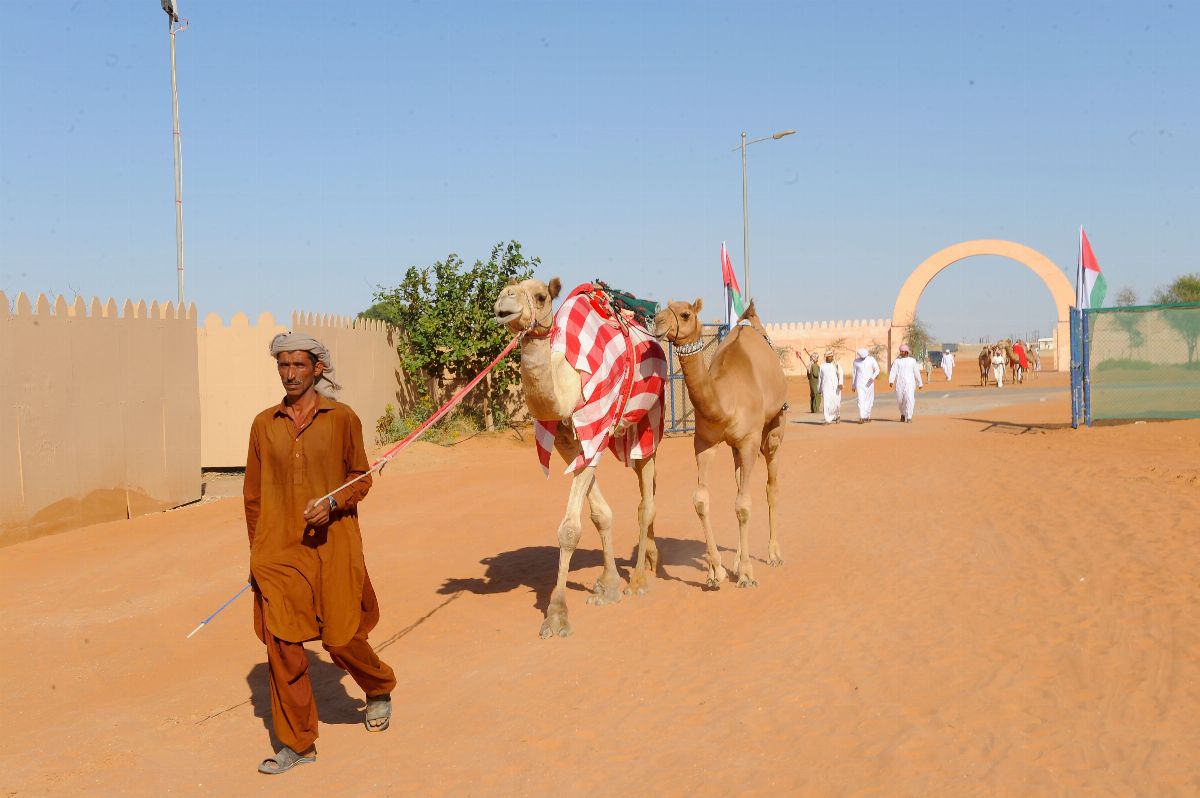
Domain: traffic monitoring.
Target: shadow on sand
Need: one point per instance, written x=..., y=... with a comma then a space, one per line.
x=334, y=704
x=536, y=568
x=1011, y=428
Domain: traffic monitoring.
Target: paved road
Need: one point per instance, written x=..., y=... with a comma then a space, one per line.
x=932, y=402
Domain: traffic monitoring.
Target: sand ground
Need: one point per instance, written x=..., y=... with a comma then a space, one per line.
x=984, y=602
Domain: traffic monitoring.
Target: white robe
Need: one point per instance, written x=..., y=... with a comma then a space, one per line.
x=948, y=365
x=998, y=363
x=866, y=369
x=906, y=376
x=830, y=386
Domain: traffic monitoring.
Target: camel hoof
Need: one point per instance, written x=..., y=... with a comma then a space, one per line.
x=747, y=581
x=637, y=586
x=713, y=582
x=556, y=624
x=775, y=561
x=604, y=594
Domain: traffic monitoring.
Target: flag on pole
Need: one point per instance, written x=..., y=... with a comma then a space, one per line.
x=734, y=307
x=1089, y=282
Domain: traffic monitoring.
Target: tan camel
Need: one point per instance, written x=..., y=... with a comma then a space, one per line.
x=553, y=389
x=740, y=399
x=985, y=365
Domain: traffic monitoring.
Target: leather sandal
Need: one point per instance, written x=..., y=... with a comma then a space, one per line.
x=286, y=759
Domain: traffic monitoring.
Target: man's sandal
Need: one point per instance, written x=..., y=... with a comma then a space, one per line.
x=379, y=713
x=285, y=760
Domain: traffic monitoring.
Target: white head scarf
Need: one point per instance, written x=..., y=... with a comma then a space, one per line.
x=299, y=342
x=862, y=353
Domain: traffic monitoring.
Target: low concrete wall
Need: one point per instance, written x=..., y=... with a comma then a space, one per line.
x=844, y=337
x=238, y=379
x=99, y=413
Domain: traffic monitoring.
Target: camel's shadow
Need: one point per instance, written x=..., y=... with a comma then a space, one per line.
x=536, y=568
x=334, y=704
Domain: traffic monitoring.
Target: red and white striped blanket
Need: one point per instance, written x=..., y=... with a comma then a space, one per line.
x=615, y=381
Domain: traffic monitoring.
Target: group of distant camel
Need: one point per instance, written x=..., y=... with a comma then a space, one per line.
x=1011, y=361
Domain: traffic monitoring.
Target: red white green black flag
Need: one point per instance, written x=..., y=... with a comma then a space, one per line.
x=734, y=307
x=1090, y=285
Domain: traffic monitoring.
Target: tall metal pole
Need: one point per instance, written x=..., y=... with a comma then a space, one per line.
x=178, y=162
x=745, y=226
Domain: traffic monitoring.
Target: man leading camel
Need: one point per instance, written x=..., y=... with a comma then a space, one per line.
x=306, y=557
x=814, y=381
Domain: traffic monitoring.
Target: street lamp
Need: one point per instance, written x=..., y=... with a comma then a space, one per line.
x=746, y=206
x=175, y=25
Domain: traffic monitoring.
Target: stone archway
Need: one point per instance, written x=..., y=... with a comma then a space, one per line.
x=1039, y=264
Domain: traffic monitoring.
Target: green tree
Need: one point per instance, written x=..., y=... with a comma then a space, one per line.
x=1130, y=321
x=1185, y=289
x=918, y=336
x=446, y=317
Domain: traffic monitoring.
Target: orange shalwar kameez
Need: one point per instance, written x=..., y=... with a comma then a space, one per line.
x=310, y=583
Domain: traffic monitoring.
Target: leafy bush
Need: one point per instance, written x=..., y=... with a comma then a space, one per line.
x=457, y=426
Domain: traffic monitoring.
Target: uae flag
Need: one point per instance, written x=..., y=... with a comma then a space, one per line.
x=1089, y=282
x=734, y=306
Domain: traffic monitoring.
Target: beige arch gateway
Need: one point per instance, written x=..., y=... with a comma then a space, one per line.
x=1039, y=264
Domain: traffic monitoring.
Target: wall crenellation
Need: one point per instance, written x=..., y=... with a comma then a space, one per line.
x=43, y=308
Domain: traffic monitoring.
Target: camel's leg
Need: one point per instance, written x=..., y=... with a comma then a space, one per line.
x=705, y=451
x=556, y=622
x=772, y=437
x=607, y=589
x=744, y=456
x=647, y=557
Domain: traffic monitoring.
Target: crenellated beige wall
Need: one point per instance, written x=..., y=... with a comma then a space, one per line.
x=817, y=336
x=238, y=379
x=99, y=413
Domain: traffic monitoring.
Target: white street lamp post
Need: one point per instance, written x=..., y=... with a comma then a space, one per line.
x=746, y=207
x=175, y=25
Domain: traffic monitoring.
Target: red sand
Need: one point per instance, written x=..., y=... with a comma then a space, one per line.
x=997, y=606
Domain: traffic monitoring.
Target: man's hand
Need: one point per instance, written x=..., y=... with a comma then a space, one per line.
x=316, y=513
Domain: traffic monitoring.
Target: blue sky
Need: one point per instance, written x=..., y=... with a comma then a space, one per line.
x=328, y=146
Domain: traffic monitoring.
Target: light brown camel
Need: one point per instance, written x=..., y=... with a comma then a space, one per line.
x=740, y=399
x=553, y=389
x=985, y=365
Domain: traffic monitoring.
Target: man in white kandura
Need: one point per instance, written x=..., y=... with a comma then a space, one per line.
x=905, y=376
x=830, y=384
x=948, y=364
x=999, y=361
x=862, y=382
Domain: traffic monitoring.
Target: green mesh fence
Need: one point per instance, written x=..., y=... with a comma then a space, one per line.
x=1144, y=362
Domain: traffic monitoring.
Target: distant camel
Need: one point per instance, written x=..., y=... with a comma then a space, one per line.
x=985, y=365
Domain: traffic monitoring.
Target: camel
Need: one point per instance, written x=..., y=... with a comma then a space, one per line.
x=553, y=389
x=985, y=365
x=740, y=399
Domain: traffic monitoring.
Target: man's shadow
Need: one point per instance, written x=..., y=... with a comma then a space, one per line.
x=334, y=704
x=536, y=568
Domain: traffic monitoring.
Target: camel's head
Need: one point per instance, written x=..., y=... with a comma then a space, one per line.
x=679, y=322
x=527, y=305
